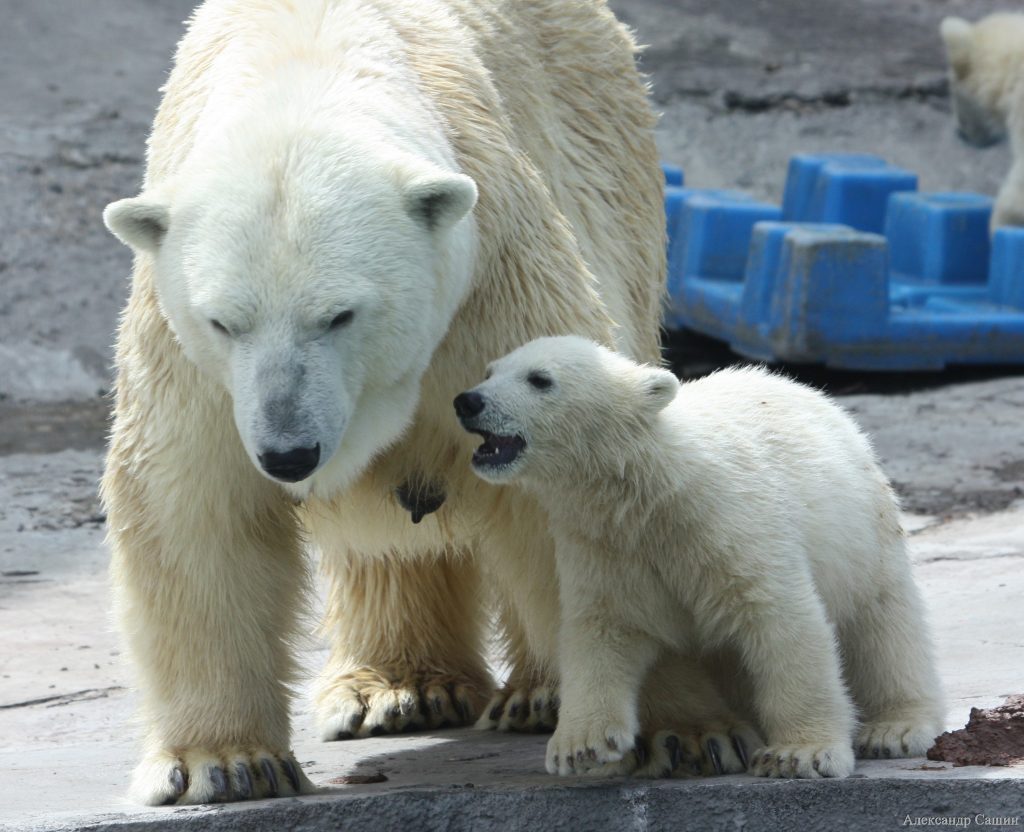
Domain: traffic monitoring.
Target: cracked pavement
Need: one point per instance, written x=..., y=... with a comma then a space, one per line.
x=741, y=86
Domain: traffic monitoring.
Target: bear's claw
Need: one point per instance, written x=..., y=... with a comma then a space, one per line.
x=243, y=781
x=179, y=783
x=271, y=776
x=741, y=751
x=291, y=774
x=220, y=783
x=715, y=755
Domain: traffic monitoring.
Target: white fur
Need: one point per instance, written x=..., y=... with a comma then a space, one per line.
x=740, y=512
x=316, y=156
x=280, y=229
x=986, y=70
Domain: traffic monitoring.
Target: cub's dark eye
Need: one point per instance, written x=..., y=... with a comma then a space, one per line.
x=342, y=319
x=540, y=381
x=217, y=325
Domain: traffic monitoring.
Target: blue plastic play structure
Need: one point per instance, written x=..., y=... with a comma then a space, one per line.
x=855, y=270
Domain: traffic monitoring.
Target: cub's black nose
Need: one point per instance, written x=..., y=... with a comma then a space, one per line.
x=291, y=466
x=468, y=405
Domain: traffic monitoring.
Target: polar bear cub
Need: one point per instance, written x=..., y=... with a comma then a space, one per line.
x=986, y=67
x=740, y=511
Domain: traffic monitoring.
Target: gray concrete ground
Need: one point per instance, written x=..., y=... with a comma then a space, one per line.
x=742, y=85
x=66, y=744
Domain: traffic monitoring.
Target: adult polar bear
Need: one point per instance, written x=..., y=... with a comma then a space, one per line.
x=312, y=287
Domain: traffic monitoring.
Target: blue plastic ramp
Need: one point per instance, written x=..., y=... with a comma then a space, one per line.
x=855, y=270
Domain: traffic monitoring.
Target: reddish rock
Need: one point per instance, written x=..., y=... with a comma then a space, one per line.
x=993, y=737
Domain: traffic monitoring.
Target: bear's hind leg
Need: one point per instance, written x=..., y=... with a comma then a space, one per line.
x=529, y=699
x=405, y=646
x=889, y=667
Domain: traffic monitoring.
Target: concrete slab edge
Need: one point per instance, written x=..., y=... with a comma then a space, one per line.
x=844, y=806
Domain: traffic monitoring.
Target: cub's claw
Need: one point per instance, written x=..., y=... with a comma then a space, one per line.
x=804, y=761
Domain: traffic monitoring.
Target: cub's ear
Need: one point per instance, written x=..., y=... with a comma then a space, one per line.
x=439, y=200
x=139, y=222
x=956, y=34
x=658, y=388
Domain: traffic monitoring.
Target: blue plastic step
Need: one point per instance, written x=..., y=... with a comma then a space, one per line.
x=673, y=174
x=847, y=188
x=816, y=281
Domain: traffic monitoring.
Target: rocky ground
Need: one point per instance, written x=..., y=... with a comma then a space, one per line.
x=741, y=86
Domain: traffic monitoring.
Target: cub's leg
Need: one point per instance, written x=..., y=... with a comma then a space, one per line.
x=405, y=642
x=207, y=576
x=789, y=649
x=890, y=669
x=602, y=665
x=603, y=657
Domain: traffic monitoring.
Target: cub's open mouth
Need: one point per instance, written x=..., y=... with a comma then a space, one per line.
x=497, y=451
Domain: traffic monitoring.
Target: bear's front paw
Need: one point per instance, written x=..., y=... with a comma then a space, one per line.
x=207, y=776
x=587, y=744
x=806, y=761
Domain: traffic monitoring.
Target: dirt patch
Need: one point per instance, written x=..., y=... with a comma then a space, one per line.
x=993, y=737
x=1010, y=471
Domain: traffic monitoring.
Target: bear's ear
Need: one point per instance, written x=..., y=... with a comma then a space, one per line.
x=439, y=200
x=139, y=222
x=956, y=34
x=658, y=388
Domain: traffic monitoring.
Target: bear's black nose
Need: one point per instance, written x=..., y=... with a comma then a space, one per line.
x=291, y=466
x=468, y=404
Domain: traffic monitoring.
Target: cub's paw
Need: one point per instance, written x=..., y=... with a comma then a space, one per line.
x=217, y=776
x=896, y=738
x=578, y=747
x=805, y=761
x=366, y=703
x=521, y=708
